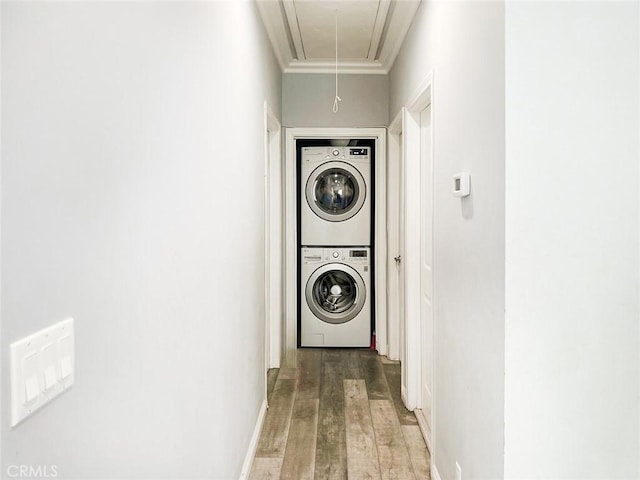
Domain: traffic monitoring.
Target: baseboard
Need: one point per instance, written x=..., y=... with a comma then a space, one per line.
x=424, y=427
x=403, y=395
x=253, y=444
x=435, y=475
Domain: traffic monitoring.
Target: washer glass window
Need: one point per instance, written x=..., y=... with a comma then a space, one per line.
x=335, y=292
x=336, y=191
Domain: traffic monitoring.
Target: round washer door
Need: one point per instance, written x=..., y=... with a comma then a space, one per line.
x=335, y=293
x=336, y=191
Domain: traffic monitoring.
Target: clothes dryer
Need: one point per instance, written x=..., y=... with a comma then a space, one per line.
x=335, y=203
x=335, y=297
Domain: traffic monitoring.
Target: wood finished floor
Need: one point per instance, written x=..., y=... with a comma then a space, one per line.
x=339, y=415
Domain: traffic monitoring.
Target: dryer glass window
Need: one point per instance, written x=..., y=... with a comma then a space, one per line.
x=335, y=292
x=336, y=191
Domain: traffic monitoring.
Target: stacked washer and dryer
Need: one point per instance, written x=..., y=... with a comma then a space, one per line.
x=335, y=233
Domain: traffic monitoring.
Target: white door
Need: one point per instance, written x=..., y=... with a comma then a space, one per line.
x=393, y=249
x=426, y=266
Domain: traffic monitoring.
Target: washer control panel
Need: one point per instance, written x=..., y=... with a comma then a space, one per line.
x=348, y=255
x=312, y=255
x=310, y=154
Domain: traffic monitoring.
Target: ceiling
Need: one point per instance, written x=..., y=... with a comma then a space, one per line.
x=370, y=33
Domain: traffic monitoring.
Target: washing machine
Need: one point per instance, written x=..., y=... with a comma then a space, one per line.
x=335, y=203
x=335, y=297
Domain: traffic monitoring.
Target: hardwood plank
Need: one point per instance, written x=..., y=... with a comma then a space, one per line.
x=272, y=376
x=393, y=454
x=309, y=363
x=265, y=468
x=420, y=458
x=348, y=358
x=333, y=355
x=354, y=369
x=362, y=454
x=331, y=446
x=392, y=374
x=300, y=454
x=273, y=438
x=377, y=388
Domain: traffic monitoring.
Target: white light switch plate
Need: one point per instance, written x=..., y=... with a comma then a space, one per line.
x=42, y=367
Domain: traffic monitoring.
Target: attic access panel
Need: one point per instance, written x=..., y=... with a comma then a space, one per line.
x=356, y=23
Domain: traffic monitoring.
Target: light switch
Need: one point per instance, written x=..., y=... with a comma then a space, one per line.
x=65, y=367
x=48, y=359
x=41, y=368
x=32, y=388
x=50, y=377
x=65, y=350
x=30, y=367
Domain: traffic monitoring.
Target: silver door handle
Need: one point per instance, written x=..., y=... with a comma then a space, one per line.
x=398, y=259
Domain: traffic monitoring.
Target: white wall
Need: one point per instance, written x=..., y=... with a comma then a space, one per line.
x=463, y=42
x=572, y=240
x=132, y=195
x=307, y=100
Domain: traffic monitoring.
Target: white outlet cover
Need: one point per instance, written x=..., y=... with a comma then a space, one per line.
x=42, y=367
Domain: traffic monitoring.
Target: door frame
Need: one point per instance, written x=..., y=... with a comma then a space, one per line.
x=407, y=123
x=273, y=260
x=291, y=211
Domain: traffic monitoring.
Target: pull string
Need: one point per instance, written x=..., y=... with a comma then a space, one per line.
x=337, y=98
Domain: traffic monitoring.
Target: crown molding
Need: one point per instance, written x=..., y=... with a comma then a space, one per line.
x=392, y=24
x=329, y=66
x=398, y=24
x=278, y=32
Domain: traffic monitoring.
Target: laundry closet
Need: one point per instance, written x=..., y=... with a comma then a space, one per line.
x=336, y=200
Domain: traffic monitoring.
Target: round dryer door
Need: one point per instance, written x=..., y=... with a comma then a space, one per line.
x=335, y=293
x=336, y=191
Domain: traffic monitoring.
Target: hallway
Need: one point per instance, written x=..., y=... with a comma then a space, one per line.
x=339, y=415
x=150, y=188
